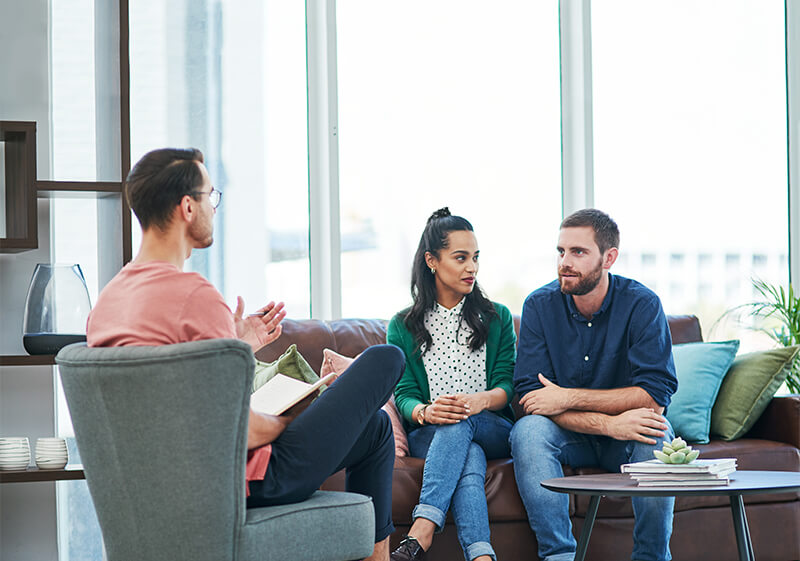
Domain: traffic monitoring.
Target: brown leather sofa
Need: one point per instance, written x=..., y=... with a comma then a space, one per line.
x=703, y=527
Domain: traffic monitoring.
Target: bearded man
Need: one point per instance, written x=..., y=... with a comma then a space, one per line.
x=594, y=374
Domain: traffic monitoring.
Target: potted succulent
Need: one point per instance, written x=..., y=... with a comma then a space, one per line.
x=676, y=452
x=778, y=316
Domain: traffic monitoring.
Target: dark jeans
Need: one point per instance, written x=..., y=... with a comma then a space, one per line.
x=343, y=429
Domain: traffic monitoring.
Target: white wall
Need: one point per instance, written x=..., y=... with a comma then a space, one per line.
x=27, y=510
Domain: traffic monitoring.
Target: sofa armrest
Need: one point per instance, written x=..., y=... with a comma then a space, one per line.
x=780, y=421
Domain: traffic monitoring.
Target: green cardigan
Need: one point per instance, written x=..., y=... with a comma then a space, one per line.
x=500, y=355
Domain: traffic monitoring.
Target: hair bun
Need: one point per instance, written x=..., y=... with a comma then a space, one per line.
x=443, y=212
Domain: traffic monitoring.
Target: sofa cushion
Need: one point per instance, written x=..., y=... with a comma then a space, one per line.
x=352, y=336
x=747, y=390
x=700, y=368
x=291, y=363
x=684, y=329
x=502, y=496
x=780, y=421
x=310, y=336
x=305, y=529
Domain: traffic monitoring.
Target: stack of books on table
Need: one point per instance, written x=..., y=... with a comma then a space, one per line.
x=655, y=473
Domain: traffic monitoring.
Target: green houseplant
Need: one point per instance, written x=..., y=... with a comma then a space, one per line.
x=778, y=316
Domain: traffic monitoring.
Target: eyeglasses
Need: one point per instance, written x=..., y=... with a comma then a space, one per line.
x=214, y=196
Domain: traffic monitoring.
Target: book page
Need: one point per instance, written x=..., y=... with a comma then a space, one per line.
x=281, y=392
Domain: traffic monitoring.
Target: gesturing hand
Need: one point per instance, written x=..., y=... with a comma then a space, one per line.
x=551, y=399
x=637, y=424
x=261, y=328
x=446, y=410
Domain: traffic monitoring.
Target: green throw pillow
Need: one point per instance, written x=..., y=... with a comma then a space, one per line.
x=291, y=363
x=747, y=390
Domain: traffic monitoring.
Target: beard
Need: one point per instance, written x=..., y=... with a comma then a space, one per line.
x=202, y=232
x=585, y=283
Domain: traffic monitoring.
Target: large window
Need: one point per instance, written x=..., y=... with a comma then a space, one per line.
x=77, y=123
x=447, y=103
x=229, y=78
x=690, y=147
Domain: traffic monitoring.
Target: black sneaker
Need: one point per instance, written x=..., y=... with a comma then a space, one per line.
x=408, y=550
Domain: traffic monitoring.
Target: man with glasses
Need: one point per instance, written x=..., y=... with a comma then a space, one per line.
x=214, y=196
x=152, y=301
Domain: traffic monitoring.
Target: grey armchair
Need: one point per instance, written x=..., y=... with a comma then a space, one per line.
x=162, y=434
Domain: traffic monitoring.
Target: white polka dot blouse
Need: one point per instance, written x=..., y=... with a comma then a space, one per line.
x=450, y=364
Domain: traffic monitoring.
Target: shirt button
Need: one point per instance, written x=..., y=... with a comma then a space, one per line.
x=589, y=324
x=586, y=357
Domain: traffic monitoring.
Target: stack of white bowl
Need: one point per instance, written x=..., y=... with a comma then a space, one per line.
x=51, y=453
x=15, y=452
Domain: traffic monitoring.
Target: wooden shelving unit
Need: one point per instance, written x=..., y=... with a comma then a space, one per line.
x=23, y=189
x=26, y=360
x=70, y=472
x=19, y=138
x=22, y=192
x=80, y=189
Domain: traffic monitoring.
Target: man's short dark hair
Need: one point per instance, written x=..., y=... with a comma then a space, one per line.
x=606, y=232
x=158, y=182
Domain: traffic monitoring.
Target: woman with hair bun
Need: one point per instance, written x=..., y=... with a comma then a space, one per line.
x=454, y=394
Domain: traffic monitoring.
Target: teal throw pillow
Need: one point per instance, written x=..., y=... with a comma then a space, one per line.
x=291, y=363
x=700, y=368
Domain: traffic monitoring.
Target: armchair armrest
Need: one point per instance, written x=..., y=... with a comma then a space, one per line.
x=780, y=421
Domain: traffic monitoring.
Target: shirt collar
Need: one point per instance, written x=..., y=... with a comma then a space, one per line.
x=573, y=310
x=454, y=311
x=609, y=295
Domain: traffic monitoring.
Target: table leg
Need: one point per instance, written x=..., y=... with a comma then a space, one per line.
x=747, y=531
x=586, y=532
x=743, y=542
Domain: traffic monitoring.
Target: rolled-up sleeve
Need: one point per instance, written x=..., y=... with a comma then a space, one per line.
x=650, y=352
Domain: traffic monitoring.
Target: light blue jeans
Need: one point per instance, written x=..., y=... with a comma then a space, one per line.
x=539, y=447
x=455, y=472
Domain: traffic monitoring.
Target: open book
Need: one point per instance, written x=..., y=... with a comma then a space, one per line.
x=282, y=392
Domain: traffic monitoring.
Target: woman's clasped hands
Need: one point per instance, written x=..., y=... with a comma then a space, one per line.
x=453, y=408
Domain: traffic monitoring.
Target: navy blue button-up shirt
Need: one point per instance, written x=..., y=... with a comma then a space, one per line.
x=626, y=342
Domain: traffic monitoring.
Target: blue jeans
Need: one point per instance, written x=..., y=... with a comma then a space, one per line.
x=455, y=472
x=539, y=447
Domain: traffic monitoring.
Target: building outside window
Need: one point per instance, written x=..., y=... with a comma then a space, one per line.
x=229, y=78
x=459, y=108
x=690, y=147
